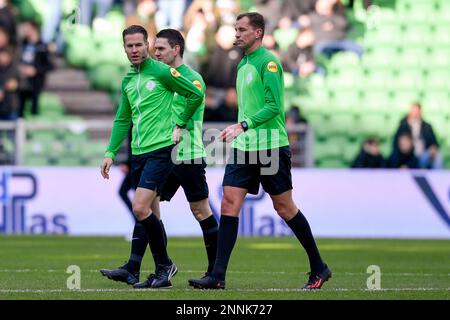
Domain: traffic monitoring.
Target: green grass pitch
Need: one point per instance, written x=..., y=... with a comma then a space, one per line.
x=34, y=267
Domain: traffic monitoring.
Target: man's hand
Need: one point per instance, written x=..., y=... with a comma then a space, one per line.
x=231, y=132
x=176, y=135
x=104, y=168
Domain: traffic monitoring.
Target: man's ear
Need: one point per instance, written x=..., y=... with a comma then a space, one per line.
x=177, y=49
x=259, y=33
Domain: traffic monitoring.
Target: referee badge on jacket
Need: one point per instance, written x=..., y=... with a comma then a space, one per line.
x=174, y=72
x=272, y=67
x=198, y=84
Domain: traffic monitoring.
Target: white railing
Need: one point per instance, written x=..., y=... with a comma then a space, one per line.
x=302, y=148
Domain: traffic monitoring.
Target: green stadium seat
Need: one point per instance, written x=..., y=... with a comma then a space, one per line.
x=383, y=56
x=420, y=10
x=335, y=163
x=69, y=161
x=379, y=78
x=320, y=125
x=382, y=34
x=342, y=124
x=417, y=34
x=402, y=100
x=37, y=161
x=440, y=57
x=346, y=78
x=440, y=124
x=106, y=77
x=375, y=101
x=285, y=37
x=410, y=79
x=414, y=56
x=372, y=124
x=438, y=79
x=332, y=147
x=342, y=61
x=351, y=151
x=344, y=101
x=436, y=102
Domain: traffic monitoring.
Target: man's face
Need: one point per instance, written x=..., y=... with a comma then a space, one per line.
x=136, y=48
x=164, y=52
x=246, y=35
x=415, y=112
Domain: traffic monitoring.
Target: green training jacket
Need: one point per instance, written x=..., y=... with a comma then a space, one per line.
x=260, y=92
x=147, y=96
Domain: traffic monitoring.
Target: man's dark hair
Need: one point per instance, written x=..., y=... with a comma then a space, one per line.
x=133, y=29
x=35, y=24
x=417, y=104
x=174, y=37
x=256, y=20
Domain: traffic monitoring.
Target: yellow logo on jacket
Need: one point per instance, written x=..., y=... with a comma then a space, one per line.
x=272, y=67
x=198, y=84
x=174, y=72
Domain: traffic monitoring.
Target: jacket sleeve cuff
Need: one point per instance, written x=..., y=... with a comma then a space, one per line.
x=250, y=123
x=109, y=154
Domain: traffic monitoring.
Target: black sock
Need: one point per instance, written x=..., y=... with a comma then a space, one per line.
x=226, y=239
x=156, y=239
x=210, y=230
x=302, y=231
x=164, y=233
x=138, y=245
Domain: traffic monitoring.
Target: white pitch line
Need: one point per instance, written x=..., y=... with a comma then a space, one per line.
x=227, y=290
x=405, y=274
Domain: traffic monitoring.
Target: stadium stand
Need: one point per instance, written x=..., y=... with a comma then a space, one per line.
x=406, y=58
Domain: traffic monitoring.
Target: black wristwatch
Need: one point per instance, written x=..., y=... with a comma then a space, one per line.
x=244, y=125
x=181, y=127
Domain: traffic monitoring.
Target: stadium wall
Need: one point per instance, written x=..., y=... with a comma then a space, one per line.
x=338, y=203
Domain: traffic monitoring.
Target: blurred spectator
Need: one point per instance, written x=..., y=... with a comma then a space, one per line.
x=50, y=34
x=271, y=10
x=226, y=11
x=270, y=44
x=294, y=9
x=129, y=7
x=329, y=25
x=207, y=9
x=170, y=14
x=8, y=21
x=426, y=146
x=9, y=83
x=299, y=58
x=221, y=70
x=403, y=156
x=4, y=38
x=221, y=105
x=370, y=155
x=285, y=34
x=144, y=15
x=366, y=3
x=200, y=24
x=34, y=65
x=102, y=7
x=220, y=77
x=294, y=116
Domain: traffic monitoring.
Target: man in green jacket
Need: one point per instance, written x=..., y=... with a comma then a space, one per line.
x=189, y=171
x=260, y=154
x=147, y=96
